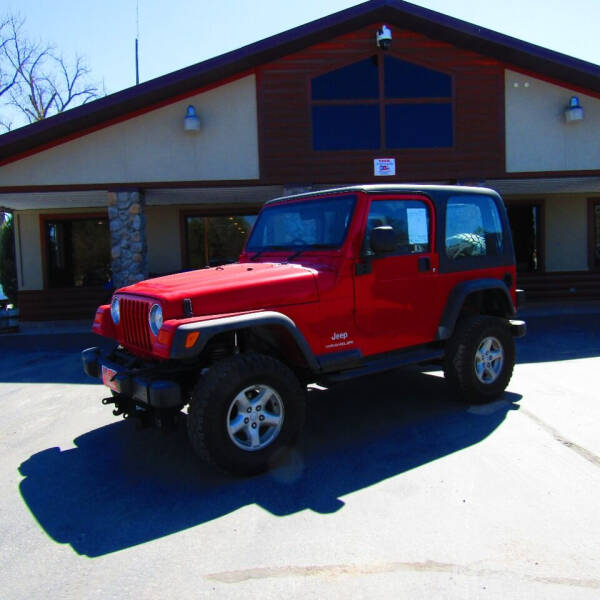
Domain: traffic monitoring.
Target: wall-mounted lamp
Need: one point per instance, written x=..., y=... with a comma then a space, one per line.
x=191, y=122
x=383, y=37
x=574, y=112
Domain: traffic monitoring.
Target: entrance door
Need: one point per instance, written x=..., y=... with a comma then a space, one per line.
x=525, y=223
x=395, y=298
x=594, y=237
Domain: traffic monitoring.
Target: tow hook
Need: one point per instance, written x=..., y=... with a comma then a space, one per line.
x=112, y=400
x=124, y=406
x=164, y=419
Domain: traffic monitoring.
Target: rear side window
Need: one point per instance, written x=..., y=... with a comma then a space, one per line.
x=408, y=218
x=473, y=227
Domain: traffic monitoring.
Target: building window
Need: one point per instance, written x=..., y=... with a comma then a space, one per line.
x=595, y=234
x=212, y=240
x=382, y=103
x=77, y=252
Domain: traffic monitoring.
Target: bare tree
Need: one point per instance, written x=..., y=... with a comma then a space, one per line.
x=14, y=52
x=34, y=80
x=47, y=85
x=8, y=36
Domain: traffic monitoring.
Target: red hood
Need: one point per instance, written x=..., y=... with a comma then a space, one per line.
x=231, y=288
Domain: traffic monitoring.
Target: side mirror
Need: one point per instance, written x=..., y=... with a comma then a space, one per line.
x=383, y=239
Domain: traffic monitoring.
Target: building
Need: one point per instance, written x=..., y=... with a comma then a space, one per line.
x=168, y=175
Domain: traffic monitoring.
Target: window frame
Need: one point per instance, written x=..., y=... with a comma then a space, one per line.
x=228, y=210
x=382, y=102
x=44, y=219
x=475, y=263
x=431, y=229
x=493, y=216
x=593, y=263
x=540, y=205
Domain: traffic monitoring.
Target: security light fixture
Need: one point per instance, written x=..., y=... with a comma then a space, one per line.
x=191, y=122
x=574, y=112
x=384, y=37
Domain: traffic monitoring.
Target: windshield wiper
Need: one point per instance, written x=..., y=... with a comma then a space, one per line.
x=262, y=250
x=302, y=249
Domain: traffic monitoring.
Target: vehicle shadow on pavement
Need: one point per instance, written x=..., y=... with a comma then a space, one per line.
x=53, y=358
x=556, y=338
x=120, y=487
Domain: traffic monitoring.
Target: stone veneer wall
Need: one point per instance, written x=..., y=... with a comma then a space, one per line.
x=126, y=212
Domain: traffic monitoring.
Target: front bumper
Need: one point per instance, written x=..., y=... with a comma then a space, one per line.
x=517, y=328
x=140, y=385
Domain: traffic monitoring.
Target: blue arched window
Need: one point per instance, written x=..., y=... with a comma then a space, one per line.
x=378, y=104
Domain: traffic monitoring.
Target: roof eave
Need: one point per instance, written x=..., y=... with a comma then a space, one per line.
x=396, y=12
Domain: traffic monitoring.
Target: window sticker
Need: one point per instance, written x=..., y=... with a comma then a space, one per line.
x=384, y=166
x=417, y=225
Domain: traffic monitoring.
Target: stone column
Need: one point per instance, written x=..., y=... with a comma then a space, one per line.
x=126, y=213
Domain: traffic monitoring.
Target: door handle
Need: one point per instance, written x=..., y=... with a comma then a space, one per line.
x=424, y=264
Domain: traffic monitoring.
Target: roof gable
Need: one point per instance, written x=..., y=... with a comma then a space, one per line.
x=215, y=71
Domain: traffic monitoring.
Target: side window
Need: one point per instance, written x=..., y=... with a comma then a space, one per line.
x=409, y=220
x=473, y=227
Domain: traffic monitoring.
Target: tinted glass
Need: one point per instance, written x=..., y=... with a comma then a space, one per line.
x=358, y=81
x=473, y=227
x=409, y=220
x=216, y=240
x=322, y=223
x=418, y=125
x=78, y=252
x=344, y=127
x=597, y=235
x=407, y=80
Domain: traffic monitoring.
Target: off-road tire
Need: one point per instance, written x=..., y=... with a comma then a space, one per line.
x=210, y=409
x=466, y=244
x=461, y=354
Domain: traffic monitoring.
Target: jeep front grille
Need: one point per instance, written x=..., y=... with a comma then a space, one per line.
x=134, y=323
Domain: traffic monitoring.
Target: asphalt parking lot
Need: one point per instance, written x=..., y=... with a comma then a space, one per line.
x=395, y=491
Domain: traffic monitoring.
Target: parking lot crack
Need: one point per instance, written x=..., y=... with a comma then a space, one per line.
x=561, y=439
x=340, y=570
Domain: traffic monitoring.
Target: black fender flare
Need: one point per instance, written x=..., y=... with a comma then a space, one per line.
x=208, y=328
x=458, y=296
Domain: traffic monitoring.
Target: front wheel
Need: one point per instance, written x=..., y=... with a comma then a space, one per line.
x=244, y=412
x=479, y=359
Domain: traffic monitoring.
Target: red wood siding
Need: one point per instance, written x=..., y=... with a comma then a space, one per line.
x=284, y=105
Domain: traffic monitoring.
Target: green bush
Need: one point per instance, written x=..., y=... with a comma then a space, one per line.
x=8, y=269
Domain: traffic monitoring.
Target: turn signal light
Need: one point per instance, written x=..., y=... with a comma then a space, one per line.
x=163, y=337
x=191, y=338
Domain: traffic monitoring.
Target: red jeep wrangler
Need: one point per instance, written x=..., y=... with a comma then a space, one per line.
x=331, y=285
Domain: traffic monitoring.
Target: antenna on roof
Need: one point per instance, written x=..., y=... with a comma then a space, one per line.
x=137, y=35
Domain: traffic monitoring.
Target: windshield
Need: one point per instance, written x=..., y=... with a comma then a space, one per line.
x=320, y=223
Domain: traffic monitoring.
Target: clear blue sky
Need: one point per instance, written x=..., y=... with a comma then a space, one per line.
x=179, y=33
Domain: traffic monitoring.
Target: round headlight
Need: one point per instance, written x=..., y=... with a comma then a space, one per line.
x=115, y=311
x=155, y=318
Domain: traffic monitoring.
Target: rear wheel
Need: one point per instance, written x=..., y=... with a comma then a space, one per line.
x=245, y=412
x=480, y=358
